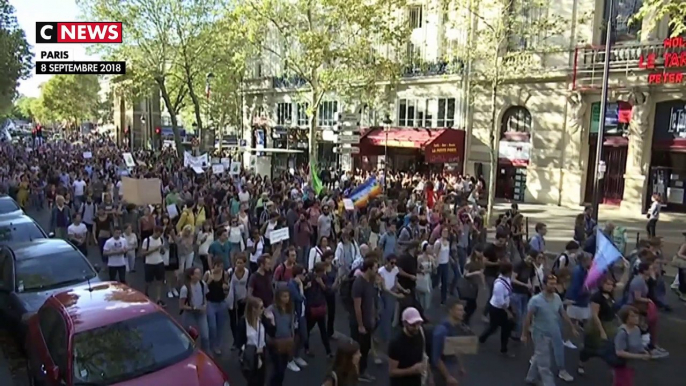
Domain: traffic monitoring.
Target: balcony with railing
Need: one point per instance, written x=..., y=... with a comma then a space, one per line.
x=288, y=82
x=632, y=61
x=433, y=68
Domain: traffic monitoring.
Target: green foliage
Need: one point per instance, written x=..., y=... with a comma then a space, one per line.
x=654, y=11
x=23, y=107
x=328, y=46
x=15, y=56
x=71, y=98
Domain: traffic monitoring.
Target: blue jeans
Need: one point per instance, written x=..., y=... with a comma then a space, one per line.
x=558, y=348
x=540, y=363
x=519, y=303
x=216, y=317
x=199, y=321
x=443, y=270
x=304, y=255
x=387, y=312
x=302, y=335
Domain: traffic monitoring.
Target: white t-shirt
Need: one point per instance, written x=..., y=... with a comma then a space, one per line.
x=389, y=277
x=79, y=187
x=443, y=252
x=132, y=241
x=204, y=247
x=119, y=259
x=121, y=192
x=258, y=250
x=243, y=196
x=78, y=230
x=155, y=257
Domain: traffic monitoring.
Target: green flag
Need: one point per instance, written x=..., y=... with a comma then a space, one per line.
x=314, y=176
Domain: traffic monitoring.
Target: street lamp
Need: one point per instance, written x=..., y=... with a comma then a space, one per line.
x=603, y=108
x=145, y=130
x=386, y=128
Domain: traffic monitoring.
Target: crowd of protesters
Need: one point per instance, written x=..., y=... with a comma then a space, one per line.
x=422, y=245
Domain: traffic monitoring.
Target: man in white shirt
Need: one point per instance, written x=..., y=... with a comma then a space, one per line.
x=152, y=249
x=499, y=310
x=392, y=290
x=115, y=251
x=77, y=233
x=79, y=186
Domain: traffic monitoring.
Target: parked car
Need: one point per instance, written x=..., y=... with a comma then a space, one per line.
x=9, y=207
x=111, y=334
x=32, y=271
x=19, y=229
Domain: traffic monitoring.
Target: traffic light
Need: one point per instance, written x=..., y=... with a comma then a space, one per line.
x=158, y=138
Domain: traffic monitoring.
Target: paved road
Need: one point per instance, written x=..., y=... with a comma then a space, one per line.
x=486, y=368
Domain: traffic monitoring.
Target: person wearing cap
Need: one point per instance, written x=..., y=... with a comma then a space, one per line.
x=407, y=359
x=542, y=324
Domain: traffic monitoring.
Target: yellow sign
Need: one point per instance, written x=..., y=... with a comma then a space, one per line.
x=443, y=148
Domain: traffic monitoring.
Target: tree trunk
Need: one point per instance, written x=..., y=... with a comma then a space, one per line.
x=313, y=128
x=198, y=117
x=173, y=111
x=493, y=144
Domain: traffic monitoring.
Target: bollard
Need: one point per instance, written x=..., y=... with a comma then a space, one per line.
x=638, y=237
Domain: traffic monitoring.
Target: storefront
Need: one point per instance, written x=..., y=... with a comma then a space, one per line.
x=615, y=151
x=415, y=149
x=514, y=154
x=668, y=159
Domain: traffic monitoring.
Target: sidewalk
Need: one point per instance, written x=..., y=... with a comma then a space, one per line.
x=5, y=372
x=560, y=222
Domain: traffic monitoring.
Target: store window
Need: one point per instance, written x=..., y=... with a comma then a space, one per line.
x=517, y=119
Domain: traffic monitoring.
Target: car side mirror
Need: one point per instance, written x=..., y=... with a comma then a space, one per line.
x=53, y=373
x=51, y=235
x=193, y=333
x=97, y=268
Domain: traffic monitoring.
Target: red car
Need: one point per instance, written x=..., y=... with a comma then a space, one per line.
x=110, y=334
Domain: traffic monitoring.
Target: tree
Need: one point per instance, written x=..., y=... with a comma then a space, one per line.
x=15, y=56
x=104, y=110
x=72, y=98
x=23, y=107
x=654, y=11
x=504, y=40
x=328, y=46
x=149, y=48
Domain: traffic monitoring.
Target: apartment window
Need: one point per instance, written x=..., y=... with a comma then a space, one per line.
x=523, y=18
x=327, y=113
x=623, y=29
x=303, y=119
x=416, y=16
x=284, y=114
x=414, y=113
x=446, y=112
x=516, y=119
x=413, y=54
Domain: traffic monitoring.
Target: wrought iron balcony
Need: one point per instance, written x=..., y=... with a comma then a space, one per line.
x=441, y=67
x=292, y=81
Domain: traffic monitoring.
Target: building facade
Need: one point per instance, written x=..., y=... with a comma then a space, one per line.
x=548, y=118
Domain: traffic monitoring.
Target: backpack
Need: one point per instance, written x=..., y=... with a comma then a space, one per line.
x=188, y=294
x=409, y=230
x=556, y=265
x=346, y=292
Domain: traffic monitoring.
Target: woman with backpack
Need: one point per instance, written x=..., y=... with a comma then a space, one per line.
x=316, y=306
x=238, y=294
x=346, y=365
x=251, y=340
x=628, y=344
x=316, y=253
x=280, y=328
x=217, y=286
x=193, y=305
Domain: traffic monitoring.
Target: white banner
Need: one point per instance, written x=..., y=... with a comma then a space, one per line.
x=201, y=161
x=217, y=169
x=128, y=159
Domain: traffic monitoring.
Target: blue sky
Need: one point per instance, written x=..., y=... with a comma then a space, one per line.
x=28, y=13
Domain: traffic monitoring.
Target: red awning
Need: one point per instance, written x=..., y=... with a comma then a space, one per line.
x=402, y=137
x=447, y=147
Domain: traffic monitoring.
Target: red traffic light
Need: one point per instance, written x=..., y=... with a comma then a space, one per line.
x=158, y=130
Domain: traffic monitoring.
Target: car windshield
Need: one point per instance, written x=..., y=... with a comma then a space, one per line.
x=52, y=271
x=129, y=349
x=25, y=231
x=8, y=206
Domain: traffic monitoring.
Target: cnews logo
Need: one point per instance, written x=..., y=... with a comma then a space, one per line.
x=84, y=32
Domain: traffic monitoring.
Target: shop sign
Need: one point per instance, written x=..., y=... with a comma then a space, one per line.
x=515, y=152
x=670, y=121
x=674, y=58
x=443, y=148
x=442, y=152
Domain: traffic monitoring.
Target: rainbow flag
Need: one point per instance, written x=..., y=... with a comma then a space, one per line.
x=361, y=195
x=606, y=254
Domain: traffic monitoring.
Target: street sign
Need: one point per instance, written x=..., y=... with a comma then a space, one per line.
x=350, y=117
x=346, y=150
x=348, y=138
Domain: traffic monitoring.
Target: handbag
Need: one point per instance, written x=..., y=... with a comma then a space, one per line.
x=679, y=262
x=284, y=345
x=249, y=359
x=423, y=283
x=608, y=352
x=317, y=312
x=467, y=289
